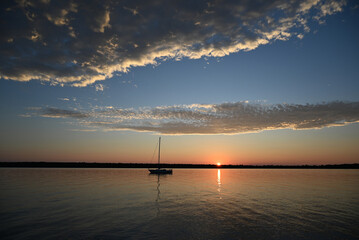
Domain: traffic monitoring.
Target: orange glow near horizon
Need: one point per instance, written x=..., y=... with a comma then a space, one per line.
x=282, y=147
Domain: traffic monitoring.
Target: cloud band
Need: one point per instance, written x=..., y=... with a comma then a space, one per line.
x=225, y=118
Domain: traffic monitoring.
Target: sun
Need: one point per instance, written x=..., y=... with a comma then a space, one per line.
x=218, y=164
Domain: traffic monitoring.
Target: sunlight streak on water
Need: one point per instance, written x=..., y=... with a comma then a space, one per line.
x=219, y=182
x=190, y=204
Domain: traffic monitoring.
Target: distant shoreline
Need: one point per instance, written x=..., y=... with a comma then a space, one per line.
x=164, y=165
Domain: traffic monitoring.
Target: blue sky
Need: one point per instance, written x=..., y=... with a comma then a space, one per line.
x=314, y=67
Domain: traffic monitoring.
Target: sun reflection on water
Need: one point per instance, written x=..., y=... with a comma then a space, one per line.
x=219, y=181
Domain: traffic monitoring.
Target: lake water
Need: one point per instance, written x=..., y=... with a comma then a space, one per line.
x=190, y=204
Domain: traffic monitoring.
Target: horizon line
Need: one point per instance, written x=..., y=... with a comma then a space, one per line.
x=173, y=165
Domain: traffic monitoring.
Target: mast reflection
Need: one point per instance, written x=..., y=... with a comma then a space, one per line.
x=158, y=195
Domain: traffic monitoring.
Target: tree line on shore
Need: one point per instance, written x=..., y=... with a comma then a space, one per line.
x=165, y=165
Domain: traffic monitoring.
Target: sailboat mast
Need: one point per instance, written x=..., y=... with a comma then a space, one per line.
x=159, y=151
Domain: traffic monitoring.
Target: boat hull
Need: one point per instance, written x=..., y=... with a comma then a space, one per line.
x=160, y=171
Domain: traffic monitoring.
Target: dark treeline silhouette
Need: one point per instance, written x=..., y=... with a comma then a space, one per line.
x=166, y=165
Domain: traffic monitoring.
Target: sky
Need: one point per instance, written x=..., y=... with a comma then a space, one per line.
x=235, y=82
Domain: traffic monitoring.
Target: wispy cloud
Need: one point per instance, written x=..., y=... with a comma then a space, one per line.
x=99, y=87
x=83, y=130
x=225, y=118
x=61, y=113
x=81, y=42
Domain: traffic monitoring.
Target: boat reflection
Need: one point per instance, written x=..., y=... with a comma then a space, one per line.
x=158, y=196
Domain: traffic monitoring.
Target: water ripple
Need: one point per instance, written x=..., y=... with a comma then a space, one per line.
x=190, y=204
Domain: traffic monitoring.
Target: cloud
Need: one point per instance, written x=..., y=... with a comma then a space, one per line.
x=61, y=113
x=99, y=87
x=102, y=21
x=80, y=42
x=83, y=130
x=225, y=118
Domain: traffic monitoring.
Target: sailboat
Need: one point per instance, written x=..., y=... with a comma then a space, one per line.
x=160, y=170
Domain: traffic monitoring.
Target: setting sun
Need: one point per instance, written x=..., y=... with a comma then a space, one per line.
x=218, y=164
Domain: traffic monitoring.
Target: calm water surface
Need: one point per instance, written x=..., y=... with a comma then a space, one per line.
x=190, y=204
